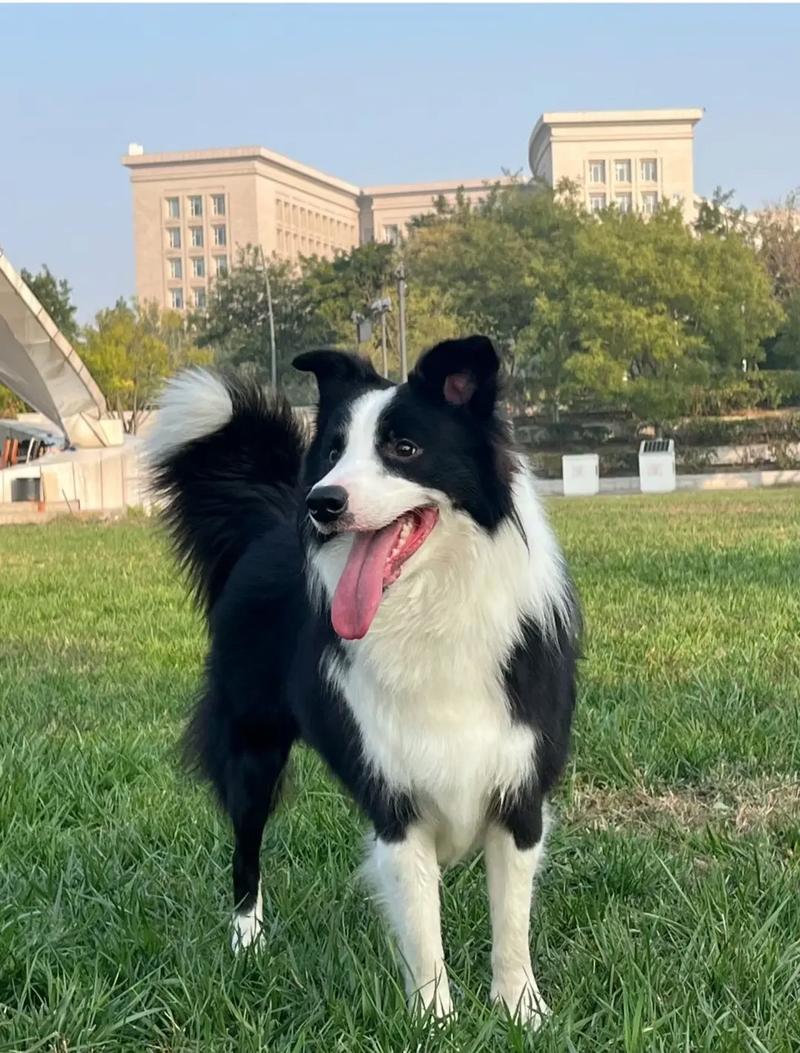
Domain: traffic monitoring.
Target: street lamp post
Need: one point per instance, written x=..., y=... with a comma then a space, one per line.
x=381, y=308
x=271, y=318
x=383, y=345
x=400, y=275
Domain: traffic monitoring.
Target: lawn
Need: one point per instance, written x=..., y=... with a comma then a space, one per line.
x=669, y=911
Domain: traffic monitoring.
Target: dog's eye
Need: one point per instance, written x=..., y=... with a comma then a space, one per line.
x=334, y=455
x=405, y=448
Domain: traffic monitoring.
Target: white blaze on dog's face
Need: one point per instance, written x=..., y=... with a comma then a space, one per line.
x=375, y=495
x=386, y=460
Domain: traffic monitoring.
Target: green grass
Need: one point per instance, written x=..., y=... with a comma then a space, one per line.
x=669, y=911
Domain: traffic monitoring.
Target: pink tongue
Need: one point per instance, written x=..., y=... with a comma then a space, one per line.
x=358, y=594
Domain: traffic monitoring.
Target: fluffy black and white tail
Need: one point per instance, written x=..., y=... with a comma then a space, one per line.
x=225, y=458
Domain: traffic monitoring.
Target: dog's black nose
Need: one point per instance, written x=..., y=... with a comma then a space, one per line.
x=326, y=503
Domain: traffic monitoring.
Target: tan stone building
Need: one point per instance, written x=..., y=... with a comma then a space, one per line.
x=635, y=159
x=192, y=211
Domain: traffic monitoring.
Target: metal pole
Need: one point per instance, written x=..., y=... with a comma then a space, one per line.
x=401, y=296
x=383, y=344
x=273, y=353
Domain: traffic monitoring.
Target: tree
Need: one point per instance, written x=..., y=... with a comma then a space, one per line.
x=235, y=324
x=351, y=282
x=671, y=311
x=130, y=349
x=55, y=295
x=719, y=215
x=778, y=240
x=784, y=352
x=622, y=310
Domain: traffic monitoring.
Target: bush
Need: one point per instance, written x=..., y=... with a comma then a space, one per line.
x=713, y=431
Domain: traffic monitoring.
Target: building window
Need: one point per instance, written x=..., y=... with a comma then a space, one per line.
x=624, y=202
x=220, y=235
x=176, y=299
x=622, y=171
x=195, y=205
x=294, y=215
x=199, y=297
x=173, y=208
x=198, y=267
x=218, y=204
x=221, y=265
x=278, y=210
x=649, y=170
x=196, y=235
x=597, y=202
x=649, y=202
x=597, y=171
x=391, y=234
x=174, y=237
x=176, y=269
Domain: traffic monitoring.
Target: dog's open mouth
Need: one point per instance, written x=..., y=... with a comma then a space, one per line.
x=375, y=561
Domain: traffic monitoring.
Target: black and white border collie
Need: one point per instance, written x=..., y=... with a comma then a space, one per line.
x=394, y=597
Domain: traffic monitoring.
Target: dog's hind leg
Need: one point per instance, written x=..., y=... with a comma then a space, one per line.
x=252, y=784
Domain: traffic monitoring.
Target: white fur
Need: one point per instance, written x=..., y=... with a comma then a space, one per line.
x=247, y=925
x=405, y=875
x=510, y=875
x=194, y=404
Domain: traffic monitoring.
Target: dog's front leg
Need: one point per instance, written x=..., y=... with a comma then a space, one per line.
x=406, y=875
x=510, y=871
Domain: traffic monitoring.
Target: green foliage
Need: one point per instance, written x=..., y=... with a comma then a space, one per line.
x=350, y=283
x=719, y=215
x=616, y=311
x=778, y=239
x=130, y=349
x=10, y=404
x=784, y=352
x=55, y=295
x=235, y=324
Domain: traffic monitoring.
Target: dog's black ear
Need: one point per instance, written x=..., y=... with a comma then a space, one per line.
x=338, y=372
x=460, y=372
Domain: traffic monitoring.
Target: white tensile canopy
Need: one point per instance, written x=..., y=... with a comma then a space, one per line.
x=37, y=362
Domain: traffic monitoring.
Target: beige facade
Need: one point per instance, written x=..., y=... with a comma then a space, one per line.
x=192, y=211
x=388, y=210
x=635, y=159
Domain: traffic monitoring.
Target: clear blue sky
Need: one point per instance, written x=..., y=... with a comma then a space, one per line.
x=371, y=94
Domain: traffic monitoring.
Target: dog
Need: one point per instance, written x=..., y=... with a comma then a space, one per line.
x=391, y=594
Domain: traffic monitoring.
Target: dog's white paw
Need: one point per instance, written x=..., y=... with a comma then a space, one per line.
x=247, y=929
x=433, y=998
x=524, y=1003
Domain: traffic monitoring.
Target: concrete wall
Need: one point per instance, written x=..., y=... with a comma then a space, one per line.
x=102, y=480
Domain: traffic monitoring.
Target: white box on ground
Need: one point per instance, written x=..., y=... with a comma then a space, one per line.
x=580, y=473
x=657, y=466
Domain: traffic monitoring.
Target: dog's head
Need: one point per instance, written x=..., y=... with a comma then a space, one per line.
x=389, y=465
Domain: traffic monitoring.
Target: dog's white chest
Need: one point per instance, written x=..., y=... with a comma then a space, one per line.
x=450, y=744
